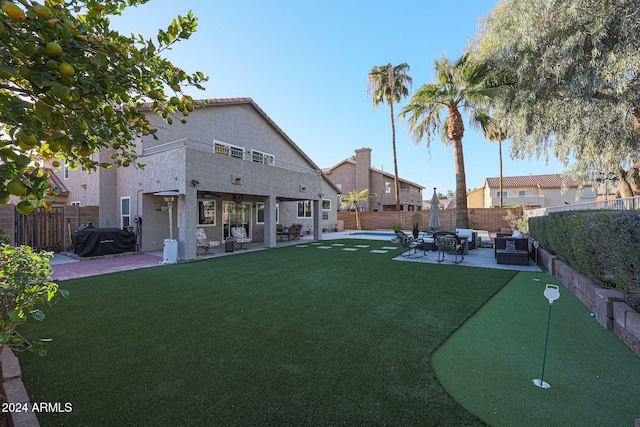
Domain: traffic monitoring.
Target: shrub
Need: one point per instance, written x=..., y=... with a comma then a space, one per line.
x=25, y=284
x=603, y=245
x=4, y=237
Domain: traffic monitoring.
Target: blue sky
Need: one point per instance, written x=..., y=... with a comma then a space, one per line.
x=305, y=64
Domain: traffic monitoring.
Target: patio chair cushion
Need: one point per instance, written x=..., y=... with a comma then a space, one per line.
x=240, y=235
x=202, y=241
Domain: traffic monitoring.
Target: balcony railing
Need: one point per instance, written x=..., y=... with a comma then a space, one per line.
x=625, y=203
x=228, y=151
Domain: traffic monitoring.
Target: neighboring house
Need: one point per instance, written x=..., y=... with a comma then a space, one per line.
x=530, y=191
x=229, y=165
x=357, y=175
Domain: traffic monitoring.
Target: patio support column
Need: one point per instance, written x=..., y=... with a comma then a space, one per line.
x=270, y=222
x=187, y=214
x=317, y=216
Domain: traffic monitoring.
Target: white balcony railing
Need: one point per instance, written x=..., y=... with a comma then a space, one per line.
x=227, y=150
x=625, y=203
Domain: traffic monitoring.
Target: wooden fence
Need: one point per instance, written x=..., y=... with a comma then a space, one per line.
x=72, y=217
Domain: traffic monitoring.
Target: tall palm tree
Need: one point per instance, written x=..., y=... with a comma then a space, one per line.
x=389, y=85
x=495, y=133
x=354, y=199
x=459, y=85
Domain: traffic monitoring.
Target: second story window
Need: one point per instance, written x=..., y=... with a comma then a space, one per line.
x=260, y=157
x=228, y=149
x=387, y=187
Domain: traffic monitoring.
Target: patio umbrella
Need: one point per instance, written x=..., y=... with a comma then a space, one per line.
x=434, y=216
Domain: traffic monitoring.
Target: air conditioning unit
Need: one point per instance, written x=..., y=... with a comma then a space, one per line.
x=237, y=180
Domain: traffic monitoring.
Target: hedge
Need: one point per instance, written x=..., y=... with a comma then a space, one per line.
x=602, y=245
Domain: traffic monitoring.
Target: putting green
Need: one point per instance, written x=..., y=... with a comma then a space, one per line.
x=488, y=364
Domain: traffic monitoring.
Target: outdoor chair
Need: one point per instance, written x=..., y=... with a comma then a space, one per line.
x=449, y=242
x=202, y=241
x=409, y=243
x=294, y=232
x=240, y=236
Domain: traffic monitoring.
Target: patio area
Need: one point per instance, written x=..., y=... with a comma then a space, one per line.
x=67, y=266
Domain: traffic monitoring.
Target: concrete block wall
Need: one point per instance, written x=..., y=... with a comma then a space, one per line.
x=14, y=390
x=490, y=219
x=607, y=305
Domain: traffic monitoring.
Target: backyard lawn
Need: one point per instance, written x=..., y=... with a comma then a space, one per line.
x=287, y=336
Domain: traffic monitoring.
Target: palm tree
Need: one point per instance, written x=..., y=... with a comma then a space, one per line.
x=458, y=85
x=389, y=85
x=495, y=133
x=354, y=199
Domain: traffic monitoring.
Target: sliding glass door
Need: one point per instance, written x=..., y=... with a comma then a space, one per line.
x=235, y=215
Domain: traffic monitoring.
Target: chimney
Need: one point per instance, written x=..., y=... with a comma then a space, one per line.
x=363, y=171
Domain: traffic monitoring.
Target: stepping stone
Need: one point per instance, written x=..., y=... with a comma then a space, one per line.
x=302, y=246
x=337, y=244
x=350, y=249
x=316, y=244
x=378, y=251
x=362, y=246
x=324, y=247
x=389, y=248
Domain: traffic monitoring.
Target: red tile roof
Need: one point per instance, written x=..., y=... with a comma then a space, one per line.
x=54, y=181
x=542, y=181
x=328, y=171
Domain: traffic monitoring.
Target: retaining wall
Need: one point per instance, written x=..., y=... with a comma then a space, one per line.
x=14, y=390
x=607, y=305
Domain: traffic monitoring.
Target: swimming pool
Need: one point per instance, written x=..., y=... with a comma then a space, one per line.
x=373, y=234
x=383, y=234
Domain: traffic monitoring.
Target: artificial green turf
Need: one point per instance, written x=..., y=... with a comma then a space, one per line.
x=488, y=364
x=287, y=336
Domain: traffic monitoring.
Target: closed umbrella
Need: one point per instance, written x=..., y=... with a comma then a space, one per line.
x=434, y=217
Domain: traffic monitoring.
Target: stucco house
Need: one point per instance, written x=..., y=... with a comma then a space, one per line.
x=229, y=165
x=357, y=175
x=530, y=191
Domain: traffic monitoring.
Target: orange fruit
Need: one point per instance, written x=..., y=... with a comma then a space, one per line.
x=13, y=11
x=16, y=187
x=54, y=48
x=25, y=207
x=66, y=69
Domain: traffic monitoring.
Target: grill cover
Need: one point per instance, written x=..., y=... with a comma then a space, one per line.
x=102, y=241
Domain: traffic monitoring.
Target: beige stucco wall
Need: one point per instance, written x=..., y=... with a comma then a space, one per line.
x=172, y=167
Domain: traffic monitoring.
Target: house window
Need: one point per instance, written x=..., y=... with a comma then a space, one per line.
x=588, y=192
x=125, y=212
x=326, y=204
x=66, y=171
x=304, y=208
x=259, y=157
x=387, y=187
x=206, y=212
x=228, y=149
x=260, y=213
x=504, y=193
x=74, y=204
x=523, y=193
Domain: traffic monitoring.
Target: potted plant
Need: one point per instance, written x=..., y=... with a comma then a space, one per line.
x=416, y=231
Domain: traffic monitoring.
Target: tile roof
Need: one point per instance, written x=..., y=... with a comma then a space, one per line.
x=54, y=181
x=380, y=171
x=542, y=181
